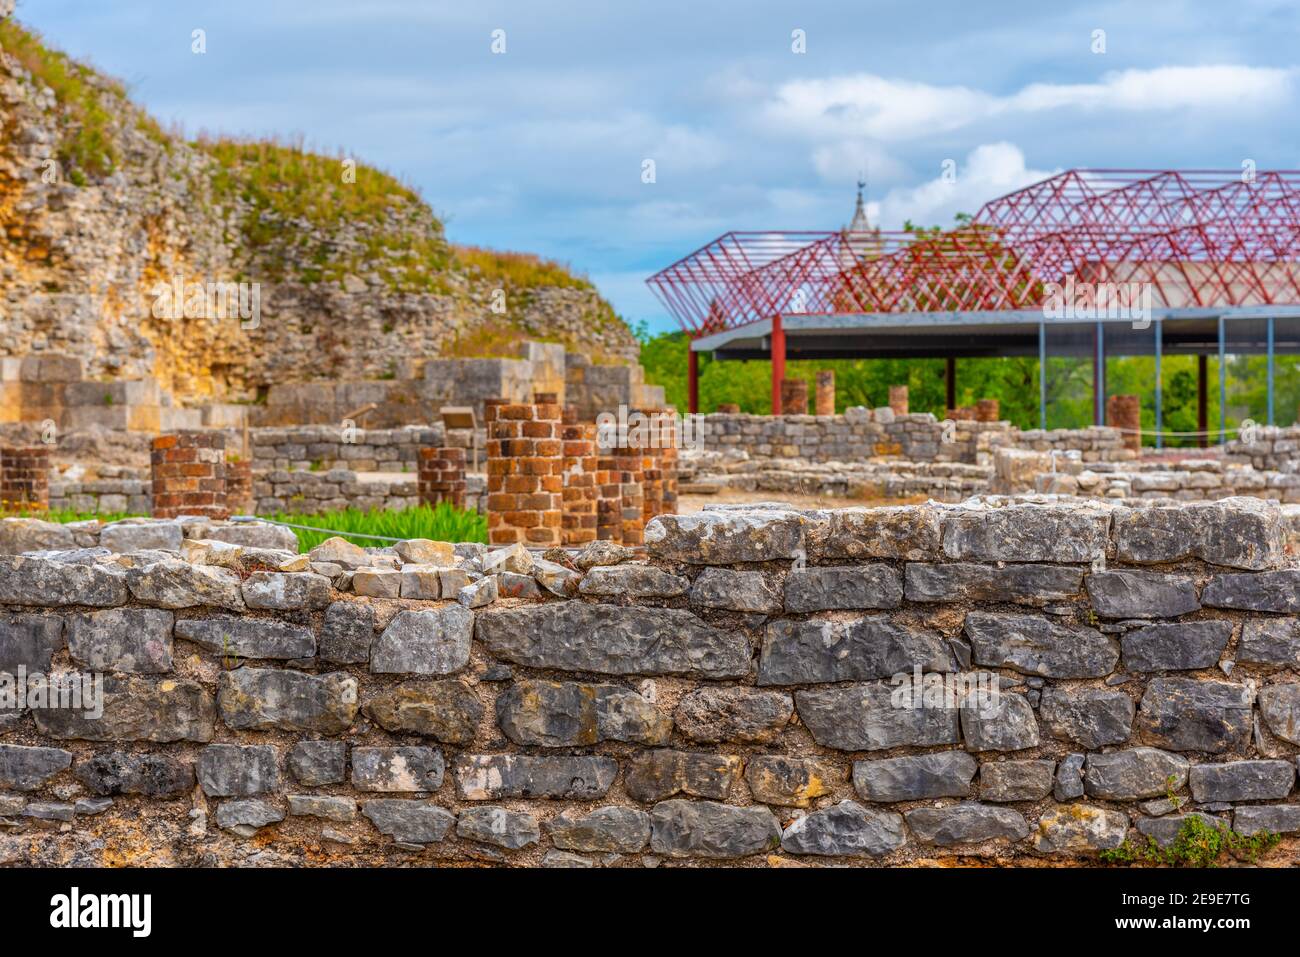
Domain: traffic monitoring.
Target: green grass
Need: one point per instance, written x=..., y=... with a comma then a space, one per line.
x=1198, y=844
x=66, y=515
x=441, y=523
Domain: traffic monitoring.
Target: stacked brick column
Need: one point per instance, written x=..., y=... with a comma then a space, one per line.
x=1125, y=412
x=525, y=474
x=441, y=476
x=826, y=392
x=581, y=492
x=189, y=474
x=666, y=455
x=627, y=465
x=25, y=478
x=898, y=399
x=987, y=410
x=794, y=396
x=239, y=486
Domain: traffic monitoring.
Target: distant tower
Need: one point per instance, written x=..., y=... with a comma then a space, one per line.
x=863, y=241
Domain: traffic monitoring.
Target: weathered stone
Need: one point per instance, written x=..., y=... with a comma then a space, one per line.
x=277, y=591
x=496, y=825
x=138, y=536
x=347, y=632
x=135, y=640
x=843, y=587
x=409, y=822
x=254, y=535
x=1091, y=717
x=1133, y=774
x=18, y=535
x=88, y=806
x=232, y=770
x=1026, y=533
x=1277, y=818
x=845, y=829
x=613, y=829
x=1035, y=646
x=862, y=717
x=555, y=578
x=151, y=775
x=1270, y=641
x=178, y=584
x=397, y=769
x=633, y=581
x=915, y=777
x=735, y=591
x=45, y=583
x=263, y=700
x=1016, y=780
x=486, y=777
x=250, y=814
x=29, y=642
x=733, y=714
x=432, y=642
x=50, y=811
x=787, y=781
x=1183, y=714
x=26, y=769
x=1180, y=646
x=1165, y=830
x=422, y=551
x=601, y=553
x=137, y=709
x=342, y=809
x=1125, y=594
x=235, y=638
x=726, y=537
x=480, y=593
x=513, y=558
x=1263, y=591
x=706, y=829
x=1237, y=532
x=1080, y=828
x=820, y=650
x=447, y=711
x=966, y=823
x=1021, y=584
x=1069, y=778
x=1242, y=781
x=339, y=551
x=556, y=714
x=377, y=582
x=557, y=859
x=513, y=585
x=895, y=531
x=318, y=762
x=1280, y=706
x=654, y=775
x=1007, y=724
x=610, y=639
x=424, y=583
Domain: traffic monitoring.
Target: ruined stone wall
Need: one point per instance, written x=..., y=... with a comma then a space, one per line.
x=330, y=447
x=1271, y=448
x=729, y=695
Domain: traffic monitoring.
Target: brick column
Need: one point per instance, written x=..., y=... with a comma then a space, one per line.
x=667, y=461
x=898, y=399
x=239, y=486
x=794, y=396
x=826, y=392
x=627, y=466
x=580, y=495
x=25, y=478
x=987, y=410
x=189, y=475
x=441, y=476
x=1125, y=412
x=525, y=479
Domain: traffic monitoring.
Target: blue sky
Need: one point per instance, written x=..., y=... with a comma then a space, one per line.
x=541, y=148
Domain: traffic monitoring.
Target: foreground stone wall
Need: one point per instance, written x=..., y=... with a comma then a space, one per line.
x=729, y=695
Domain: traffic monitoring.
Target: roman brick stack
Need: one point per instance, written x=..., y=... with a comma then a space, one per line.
x=239, y=486
x=1125, y=412
x=987, y=410
x=898, y=399
x=189, y=474
x=525, y=474
x=581, y=492
x=794, y=397
x=442, y=476
x=826, y=392
x=25, y=478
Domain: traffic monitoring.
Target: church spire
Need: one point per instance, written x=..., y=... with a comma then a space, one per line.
x=860, y=223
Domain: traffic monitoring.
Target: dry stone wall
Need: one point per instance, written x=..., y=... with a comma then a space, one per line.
x=730, y=694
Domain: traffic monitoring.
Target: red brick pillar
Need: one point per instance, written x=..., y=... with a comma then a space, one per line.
x=794, y=396
x=987, y=410
x=441, y=476
x=239, y=486
x=189, y=475
x=525, y=475
x=826, y=392
x=25, y=479
x=627, y=463
x=1125, y=412
x=579, y=520
x=898, y=399
x=668, y=462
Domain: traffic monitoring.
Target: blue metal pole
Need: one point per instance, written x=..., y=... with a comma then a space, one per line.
x=1160, y=411
x=1042, y=375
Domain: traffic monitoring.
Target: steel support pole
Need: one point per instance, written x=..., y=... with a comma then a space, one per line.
x=692, y=378
x=778, y=363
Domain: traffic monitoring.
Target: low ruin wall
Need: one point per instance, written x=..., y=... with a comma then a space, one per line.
x=737, y=693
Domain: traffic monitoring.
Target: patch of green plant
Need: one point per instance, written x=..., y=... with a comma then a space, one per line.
x=1197, y=844
x=65, y=515
x=441, y=522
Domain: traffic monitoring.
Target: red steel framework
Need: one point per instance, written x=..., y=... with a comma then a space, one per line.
x=1196, y=237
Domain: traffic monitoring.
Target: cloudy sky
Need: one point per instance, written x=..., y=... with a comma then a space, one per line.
x=542, y=147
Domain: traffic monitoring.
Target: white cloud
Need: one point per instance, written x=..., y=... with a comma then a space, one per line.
x=989, y=171
x=865, y=105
